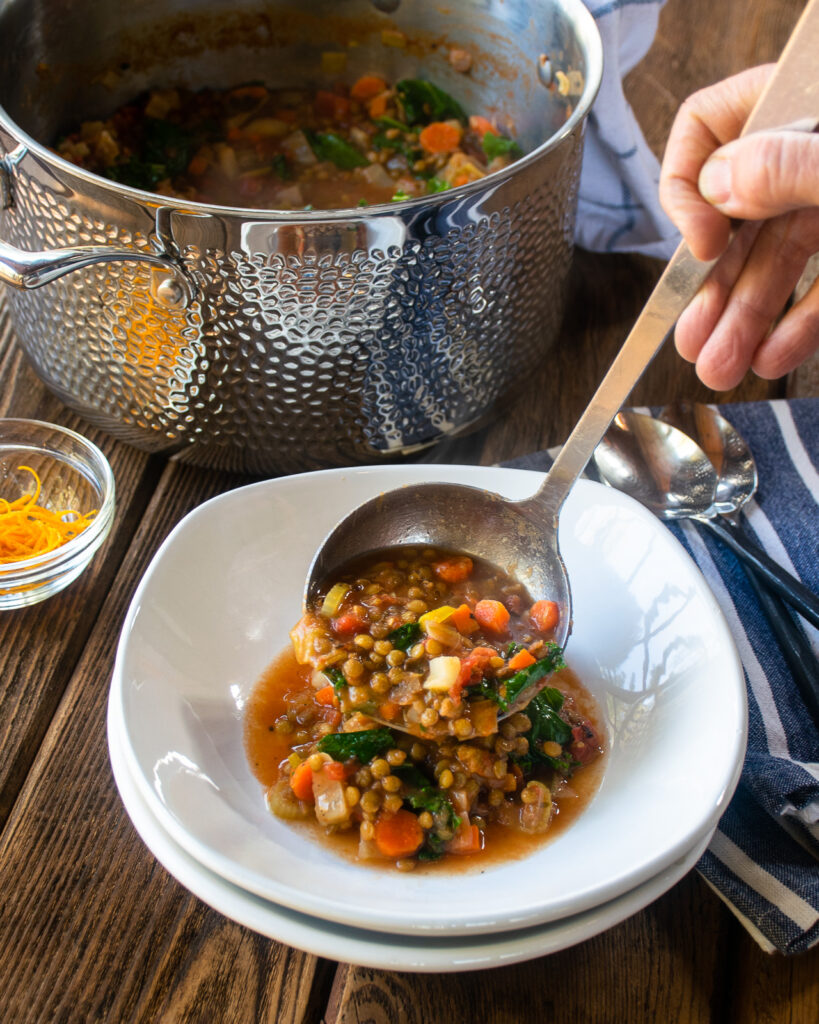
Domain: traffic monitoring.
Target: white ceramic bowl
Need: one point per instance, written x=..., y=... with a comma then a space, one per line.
x=216, y=604
x=429, y=953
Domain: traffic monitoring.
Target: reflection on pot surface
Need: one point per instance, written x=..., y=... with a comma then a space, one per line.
x=265, y=340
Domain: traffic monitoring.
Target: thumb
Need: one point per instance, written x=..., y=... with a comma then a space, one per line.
x=763, y=175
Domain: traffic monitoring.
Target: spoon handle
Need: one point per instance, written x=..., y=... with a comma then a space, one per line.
x=793, y=643
x=777, y=578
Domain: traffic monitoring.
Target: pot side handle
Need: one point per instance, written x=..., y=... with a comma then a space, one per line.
x=26, y=270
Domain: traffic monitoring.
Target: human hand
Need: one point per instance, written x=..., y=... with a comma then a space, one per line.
x=771, y=181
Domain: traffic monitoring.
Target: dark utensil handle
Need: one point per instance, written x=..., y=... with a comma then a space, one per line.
x=793, y=643
x=787, y=586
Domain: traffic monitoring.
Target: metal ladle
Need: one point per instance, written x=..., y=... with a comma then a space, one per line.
x=521, y=536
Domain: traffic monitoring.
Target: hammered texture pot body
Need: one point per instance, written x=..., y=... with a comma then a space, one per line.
x=312, y=339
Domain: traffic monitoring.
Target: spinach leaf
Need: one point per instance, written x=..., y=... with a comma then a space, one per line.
x=520, y=680
x=390, y=122
x=281, y=167
x=364, y=745
x=336, y=677
x=434, y=801
x=499, y=145
x=405, y=636
x=433, y=848
x=165, y=142
x=328, y=146
x=483, y=690
x=436, y=185
x=400, y=196
x=547, y=724
x=423, y=102
x=138, y=173
x=412, y=776
x=512, y=649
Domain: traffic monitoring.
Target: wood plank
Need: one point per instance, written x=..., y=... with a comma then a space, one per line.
x=91, y=928
x=608, y=978
x=772, y=989
x=35, y=675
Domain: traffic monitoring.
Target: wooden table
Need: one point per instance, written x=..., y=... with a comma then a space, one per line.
x=93, y=929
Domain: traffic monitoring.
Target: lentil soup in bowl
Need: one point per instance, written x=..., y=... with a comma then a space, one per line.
x=205, y=658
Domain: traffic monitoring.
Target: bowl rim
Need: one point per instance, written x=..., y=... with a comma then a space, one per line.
x=417, y=921
x=19, y=572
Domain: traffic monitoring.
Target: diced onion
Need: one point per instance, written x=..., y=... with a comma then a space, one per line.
x=443, y=672
x=331, y=807
x=332, y=602
x=443, y=633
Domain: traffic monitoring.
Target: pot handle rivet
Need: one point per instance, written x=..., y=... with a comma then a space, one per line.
x=170, y=294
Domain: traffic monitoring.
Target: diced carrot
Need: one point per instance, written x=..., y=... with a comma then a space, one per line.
x=301, y=781
x=482, y=125
x=544, y=615
x=350, y=622
x=461, y=179
x=388, y=710
x=492, y=615
x=521, y=660
x=367, y=87
x=463, y=620
x=326, y=696
x=453, y=570
x=377, y=106
x=399, y=834
x=440, y=137
x=335, y=770
x=330, y=104
x=466, y=840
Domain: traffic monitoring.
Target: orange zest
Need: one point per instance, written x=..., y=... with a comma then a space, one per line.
x=27, y=529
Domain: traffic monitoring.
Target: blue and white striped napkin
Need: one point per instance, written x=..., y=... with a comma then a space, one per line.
x=618, y=209
x=764, y=858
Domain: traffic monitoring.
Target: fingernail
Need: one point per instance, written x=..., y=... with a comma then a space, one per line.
x=715, y=181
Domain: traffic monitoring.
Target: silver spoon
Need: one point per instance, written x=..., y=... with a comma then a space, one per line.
x=669, y=473
x=736, y=485
x=673, y=476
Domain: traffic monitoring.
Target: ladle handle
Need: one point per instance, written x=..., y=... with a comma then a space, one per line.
x=778, y=579
x=790, y=98
x=679, y=283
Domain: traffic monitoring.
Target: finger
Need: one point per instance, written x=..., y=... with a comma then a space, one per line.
x=763, y=175
x=792, y=341
x=707, y=120
x=702, y=315
x=774, y=265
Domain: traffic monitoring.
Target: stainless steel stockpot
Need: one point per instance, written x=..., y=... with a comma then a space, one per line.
x=268, y=341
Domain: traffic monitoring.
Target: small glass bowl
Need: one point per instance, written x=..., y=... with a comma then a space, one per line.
x=74, y=475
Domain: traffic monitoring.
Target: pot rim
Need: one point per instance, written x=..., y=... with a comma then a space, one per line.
x=588, y=37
